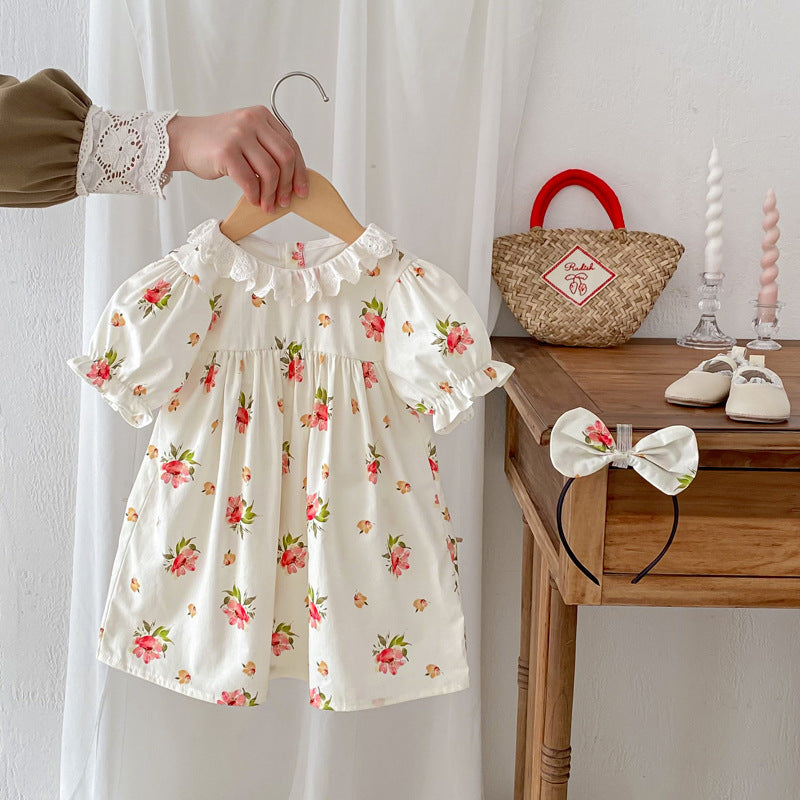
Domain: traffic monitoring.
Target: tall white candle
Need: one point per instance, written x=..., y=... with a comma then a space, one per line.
x=714, y=214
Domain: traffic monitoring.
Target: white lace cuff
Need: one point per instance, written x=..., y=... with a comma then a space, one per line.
x=124, y=153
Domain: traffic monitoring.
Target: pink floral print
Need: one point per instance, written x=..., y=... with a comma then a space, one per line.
x=318, y=418
x=237, y=609
x=291, y=553
x=286, y=454
x=452, y=547
x=210, y=374
x=454, y=336
x=373, y=319
x=598, y=437
x=239, y=514
x=103, y=369
x=150, y=641
x=397, y=555
x=420, y=408
x=238, y=697
x=373, y=462
x=370, y=378
x=181, y=558
x=316, y=512
x=297, y=255
x=317, y=699
x=155, y=298
x=433, y=461
x=391, y=653
x=282, y=638
x=177, y=469
x=216, y=309
x=292, y=362
x=243, y=413
x=316, y=607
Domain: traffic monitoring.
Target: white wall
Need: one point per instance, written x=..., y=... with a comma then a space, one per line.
x=693, y=704
x=41, y=257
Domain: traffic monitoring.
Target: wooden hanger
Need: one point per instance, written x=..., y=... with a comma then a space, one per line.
x=323, y=206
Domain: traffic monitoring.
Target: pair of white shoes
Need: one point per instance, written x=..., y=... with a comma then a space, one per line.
x=754, y=393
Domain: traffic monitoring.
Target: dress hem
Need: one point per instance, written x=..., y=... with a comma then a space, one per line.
x=455, y=685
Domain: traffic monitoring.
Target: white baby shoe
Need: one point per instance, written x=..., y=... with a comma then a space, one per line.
x=757, y=394
x=709, y=382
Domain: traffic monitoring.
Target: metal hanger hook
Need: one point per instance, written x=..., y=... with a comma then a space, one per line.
x=275, y=87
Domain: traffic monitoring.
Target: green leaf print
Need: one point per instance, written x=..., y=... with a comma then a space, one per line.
x=322, y=395
x=373, y=305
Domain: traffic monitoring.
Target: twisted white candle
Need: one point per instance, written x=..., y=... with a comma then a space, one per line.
x=714, y=214
x=768, y=294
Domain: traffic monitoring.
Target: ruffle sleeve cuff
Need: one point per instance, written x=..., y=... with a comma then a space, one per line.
x=456, y=403
x=96, y=371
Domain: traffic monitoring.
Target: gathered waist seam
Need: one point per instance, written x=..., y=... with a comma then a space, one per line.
x=275, y=349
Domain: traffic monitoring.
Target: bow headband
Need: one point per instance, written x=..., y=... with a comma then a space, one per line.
x=580, y=444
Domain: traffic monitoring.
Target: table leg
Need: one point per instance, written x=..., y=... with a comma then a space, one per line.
x=520, y=790
x=552, y=672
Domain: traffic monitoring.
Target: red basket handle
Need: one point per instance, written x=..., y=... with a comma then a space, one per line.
x=577, y=177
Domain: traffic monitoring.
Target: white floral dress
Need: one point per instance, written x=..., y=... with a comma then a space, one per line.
x=287, y=519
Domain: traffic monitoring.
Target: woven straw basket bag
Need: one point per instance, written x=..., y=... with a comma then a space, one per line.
x=581, y=287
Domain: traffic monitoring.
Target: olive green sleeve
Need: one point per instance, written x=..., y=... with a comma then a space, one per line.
x=41, y=127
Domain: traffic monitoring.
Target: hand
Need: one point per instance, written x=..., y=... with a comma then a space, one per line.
x=244, y=143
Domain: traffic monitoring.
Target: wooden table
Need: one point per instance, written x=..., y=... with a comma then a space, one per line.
x=737, y=544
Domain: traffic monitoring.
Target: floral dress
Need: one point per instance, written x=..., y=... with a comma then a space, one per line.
x=287, y=519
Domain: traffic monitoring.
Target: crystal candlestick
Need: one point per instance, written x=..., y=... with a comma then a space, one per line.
x=707, y=334
x=765, y=324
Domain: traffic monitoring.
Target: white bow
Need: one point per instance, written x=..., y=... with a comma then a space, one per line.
x=581, y=444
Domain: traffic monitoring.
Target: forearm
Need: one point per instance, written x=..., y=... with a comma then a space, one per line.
x=176, y=129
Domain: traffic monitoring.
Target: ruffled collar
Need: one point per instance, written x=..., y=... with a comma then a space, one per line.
x=296, y=285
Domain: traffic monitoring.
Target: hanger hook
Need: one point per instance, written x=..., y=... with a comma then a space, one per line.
x=275, y=87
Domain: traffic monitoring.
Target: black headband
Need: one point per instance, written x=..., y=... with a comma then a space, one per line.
x=576, y=560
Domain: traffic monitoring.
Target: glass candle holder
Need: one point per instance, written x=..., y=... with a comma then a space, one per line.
x=765, y=324
x=707, y=334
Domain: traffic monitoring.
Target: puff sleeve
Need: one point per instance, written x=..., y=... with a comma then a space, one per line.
x=147, y=338
x=437, y=348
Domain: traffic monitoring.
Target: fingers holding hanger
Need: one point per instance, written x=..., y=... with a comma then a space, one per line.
x=248, y=144
x=285, y=151
x=267, y=174
x=238, y=168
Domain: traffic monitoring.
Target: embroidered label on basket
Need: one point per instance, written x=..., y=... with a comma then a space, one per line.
x=578, y=276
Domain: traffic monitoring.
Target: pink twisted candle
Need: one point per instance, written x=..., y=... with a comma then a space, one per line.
x=768, y=294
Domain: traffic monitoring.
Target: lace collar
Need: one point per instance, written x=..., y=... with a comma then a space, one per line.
x=297, y=285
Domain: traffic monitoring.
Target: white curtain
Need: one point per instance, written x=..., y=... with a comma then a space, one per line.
x=419, y=136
